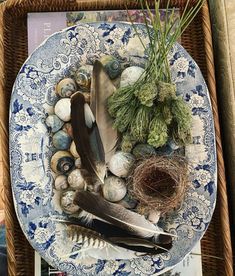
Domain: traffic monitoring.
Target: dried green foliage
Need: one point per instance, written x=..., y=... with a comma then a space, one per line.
x=147, y=94
x=140, y=124
x=149, y=110
x=128, y=142
x=158, y=130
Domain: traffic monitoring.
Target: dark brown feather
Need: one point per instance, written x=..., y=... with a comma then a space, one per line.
x=86, y=137
x=133, y=223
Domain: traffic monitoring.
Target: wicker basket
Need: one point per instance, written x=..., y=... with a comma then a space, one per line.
x=216, y=244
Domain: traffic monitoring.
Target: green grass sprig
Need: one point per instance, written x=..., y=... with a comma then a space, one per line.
x=154, y=93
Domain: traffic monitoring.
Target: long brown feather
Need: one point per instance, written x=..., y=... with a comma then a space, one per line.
x=113, y=213
x=101, y=89
x=87, y=138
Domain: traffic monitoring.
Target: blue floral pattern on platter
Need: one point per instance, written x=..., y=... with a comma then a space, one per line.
x=33, y=98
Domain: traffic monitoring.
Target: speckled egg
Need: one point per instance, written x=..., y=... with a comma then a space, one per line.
x=121, y=164
x=67, y=204
x=63, y=109
x=66, y=87
x=114, y=188
x=111, y=65
x=76, y=180
x=61, y=140
x=83, y=77
x=73, y=150
x=54, y=123
x=61, y=182
x=62, y=162
x=130, y=75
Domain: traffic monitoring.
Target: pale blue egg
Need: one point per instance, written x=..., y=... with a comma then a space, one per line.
x=61, y=140
x=54, y=123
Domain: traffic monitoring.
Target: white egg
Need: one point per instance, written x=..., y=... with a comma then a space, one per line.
x=121, y=164
x=76, y=180
x=61, y=182
x=130, y=75
x=114, y=189
x=63, y=109
x=73, y=150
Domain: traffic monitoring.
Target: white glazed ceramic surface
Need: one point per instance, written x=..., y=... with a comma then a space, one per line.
x=37, y=202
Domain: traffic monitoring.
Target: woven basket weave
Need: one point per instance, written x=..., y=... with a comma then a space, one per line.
x=13, y=52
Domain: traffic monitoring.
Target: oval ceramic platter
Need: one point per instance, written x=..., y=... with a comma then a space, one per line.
x=36, y=201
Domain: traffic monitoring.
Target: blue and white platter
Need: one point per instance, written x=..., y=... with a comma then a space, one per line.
x=37, y=203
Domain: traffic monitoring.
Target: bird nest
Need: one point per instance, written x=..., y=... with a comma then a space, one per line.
x=159, y=183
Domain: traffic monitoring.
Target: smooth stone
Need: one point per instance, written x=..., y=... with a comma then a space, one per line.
x=130, y=75
x=143, y=150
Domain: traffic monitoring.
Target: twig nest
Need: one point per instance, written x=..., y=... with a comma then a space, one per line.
x=61, y=182
x=61, y=140
x=130, y=75
x=83, y=77
x=143, y=150
x=76, y=180
x=62, y=162
x=67, y=204
x=63, y=109
x=66, y=87
x=114, y=188
x=121, y=164
x=73, y=150
x=111, y=65
x=159, y=183
x=54, y=123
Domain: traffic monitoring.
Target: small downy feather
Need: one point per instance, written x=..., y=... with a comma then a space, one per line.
x=115, y=214
x=87, y=138
x=101, y=89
